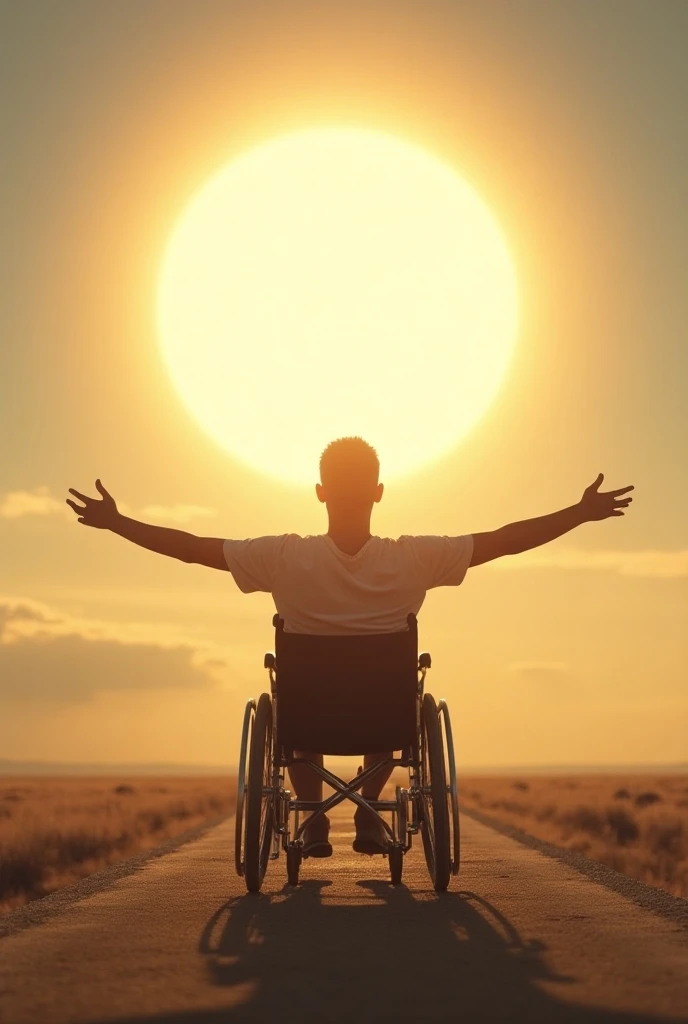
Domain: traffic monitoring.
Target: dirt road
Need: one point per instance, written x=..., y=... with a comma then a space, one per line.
x=519, y=937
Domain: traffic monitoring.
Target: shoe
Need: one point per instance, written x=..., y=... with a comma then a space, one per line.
x=371, y=837
x=315, y=839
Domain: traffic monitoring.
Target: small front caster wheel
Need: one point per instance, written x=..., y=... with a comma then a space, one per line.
x=293, y=864
x=396, y=864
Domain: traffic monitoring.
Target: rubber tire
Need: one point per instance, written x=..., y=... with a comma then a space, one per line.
x=396, y=864
x=293, y=864
x=240, y=815
x=435, y=815
x=259, y=810
x=453, y=799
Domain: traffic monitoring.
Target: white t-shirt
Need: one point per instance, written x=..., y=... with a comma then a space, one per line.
x=319, y=589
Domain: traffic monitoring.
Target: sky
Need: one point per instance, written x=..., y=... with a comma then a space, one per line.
x=568, y=119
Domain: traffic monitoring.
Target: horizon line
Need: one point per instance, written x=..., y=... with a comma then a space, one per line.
x=171, y=767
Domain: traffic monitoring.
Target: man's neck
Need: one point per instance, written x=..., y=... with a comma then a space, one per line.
x=349, y=538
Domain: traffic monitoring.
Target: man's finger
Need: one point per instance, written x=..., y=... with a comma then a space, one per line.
x=77, y=508
x=623, y=490
x=618, y=513
x=79, y=495
x=102, y=489
x=596, y=483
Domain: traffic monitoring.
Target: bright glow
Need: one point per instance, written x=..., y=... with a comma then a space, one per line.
x=334, y=282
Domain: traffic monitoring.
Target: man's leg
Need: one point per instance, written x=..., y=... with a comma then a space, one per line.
x=308, y=786
x=371, y=836
x=376, y=783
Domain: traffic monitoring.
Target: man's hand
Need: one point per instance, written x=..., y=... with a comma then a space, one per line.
x=596, y=504
x=101, y=513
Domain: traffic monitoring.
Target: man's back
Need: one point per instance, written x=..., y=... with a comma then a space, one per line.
x=317, y=588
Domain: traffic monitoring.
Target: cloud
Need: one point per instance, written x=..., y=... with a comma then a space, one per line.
x=177, y=513
x=23, y=610
x=40, y=502
x=541, y=671
x=649, y=563
x=534, y=667
x=48, y=655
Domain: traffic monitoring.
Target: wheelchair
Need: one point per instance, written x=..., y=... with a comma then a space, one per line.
x=343, y=695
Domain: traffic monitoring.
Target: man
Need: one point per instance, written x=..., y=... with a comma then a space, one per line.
x=348, y=580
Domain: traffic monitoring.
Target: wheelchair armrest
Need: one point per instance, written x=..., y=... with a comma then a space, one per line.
x=269, y=660
x=424, y=660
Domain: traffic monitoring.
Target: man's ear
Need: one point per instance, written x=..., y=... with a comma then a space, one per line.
x=319, y=490
x=379, y=491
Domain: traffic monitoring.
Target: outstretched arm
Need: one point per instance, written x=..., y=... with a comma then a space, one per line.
x=103, y=515
x=531, y=533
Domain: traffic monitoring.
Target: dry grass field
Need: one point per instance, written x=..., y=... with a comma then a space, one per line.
x=54, y=831
x=635, y=824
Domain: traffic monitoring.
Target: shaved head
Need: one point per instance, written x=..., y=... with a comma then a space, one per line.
x=349, y=466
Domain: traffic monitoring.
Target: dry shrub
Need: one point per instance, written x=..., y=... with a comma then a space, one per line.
x=647, y=799
x=583, y=819
x=647, y=840
x=67, y=828
x=667, y=838
x=513, y=806
x=623, y=826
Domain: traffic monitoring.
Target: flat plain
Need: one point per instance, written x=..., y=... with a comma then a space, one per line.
x=636, y=824
x=56, y=830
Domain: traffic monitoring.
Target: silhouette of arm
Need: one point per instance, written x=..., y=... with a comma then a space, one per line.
x=103, y=515
x=531, y=533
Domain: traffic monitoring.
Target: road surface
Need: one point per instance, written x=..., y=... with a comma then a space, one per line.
x=175, y=939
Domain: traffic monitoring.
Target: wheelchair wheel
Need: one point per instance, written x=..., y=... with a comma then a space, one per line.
x=259, y=797
x=434, y=816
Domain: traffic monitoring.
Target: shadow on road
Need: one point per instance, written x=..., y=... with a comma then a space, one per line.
x=388, y=955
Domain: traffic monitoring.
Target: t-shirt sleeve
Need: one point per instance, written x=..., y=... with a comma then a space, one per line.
x=253, y=562
x=441, y=561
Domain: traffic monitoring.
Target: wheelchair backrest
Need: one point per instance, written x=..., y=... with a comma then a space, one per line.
x=346, y=694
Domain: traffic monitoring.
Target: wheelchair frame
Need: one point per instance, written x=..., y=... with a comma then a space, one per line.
x=268, y=817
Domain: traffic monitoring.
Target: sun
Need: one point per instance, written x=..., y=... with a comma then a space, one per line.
x=331, y=282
